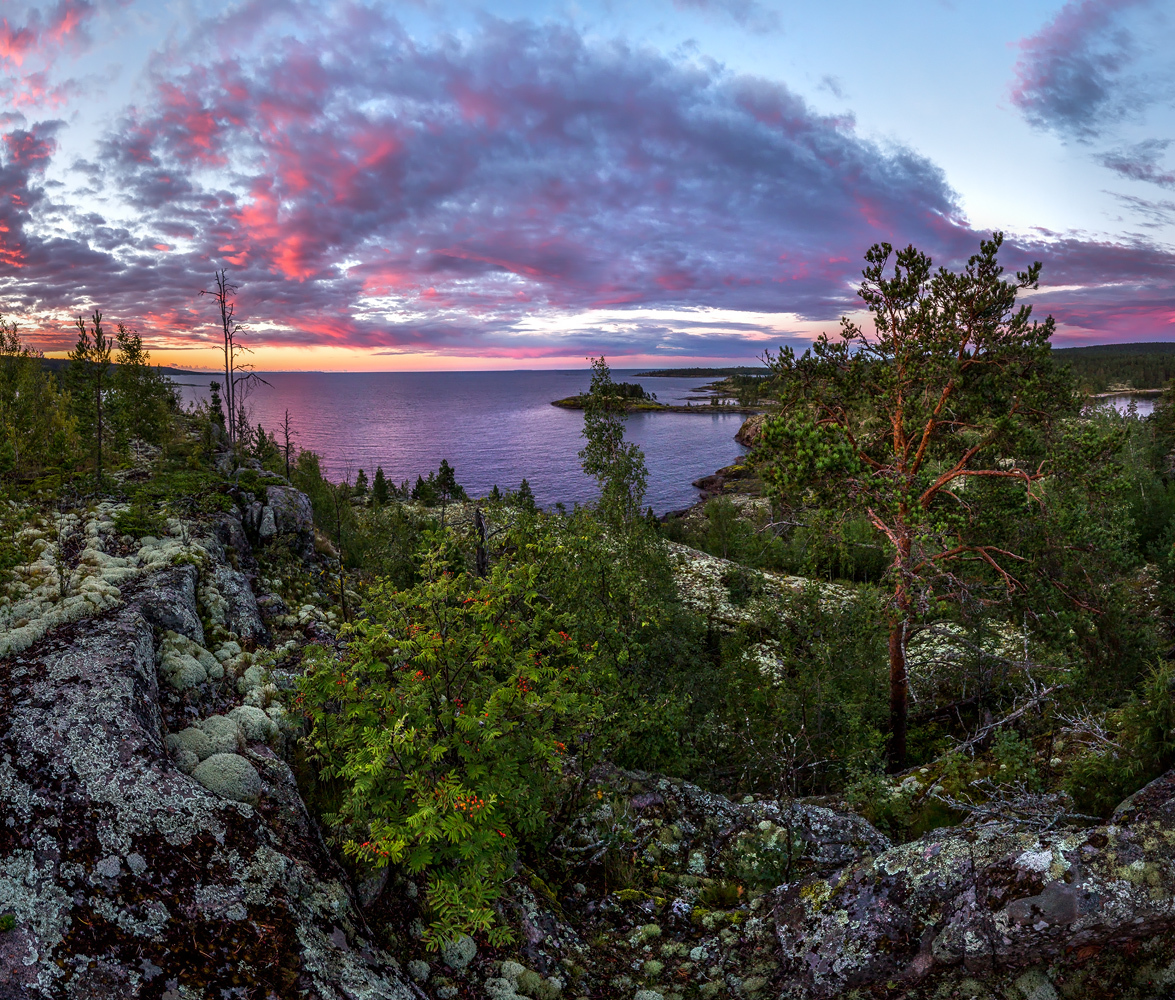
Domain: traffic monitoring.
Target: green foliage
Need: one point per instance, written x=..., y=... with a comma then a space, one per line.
x=139, y=521
x=88, y=381
x=1013, y=757
x=38, y=431
x=361, y=484
x=901, y=425
x=888, y=806
x=619, y=468
x=1139, y=747
x=524, y=498
x=142, y=399
x=446, y=724
x=379, y=488
x=1111, y=366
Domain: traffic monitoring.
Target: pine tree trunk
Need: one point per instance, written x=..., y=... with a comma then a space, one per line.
x=898, y=706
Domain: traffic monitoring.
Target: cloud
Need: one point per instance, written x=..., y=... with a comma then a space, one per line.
x=363, y=186
x=521, y=191
x=1141, y=162
x=1072, y=76
x=1155, y=214
x=748, y=14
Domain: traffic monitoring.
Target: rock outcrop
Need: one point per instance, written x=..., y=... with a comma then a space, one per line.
x=995, y=903
x=752, y=429
x=123, y=876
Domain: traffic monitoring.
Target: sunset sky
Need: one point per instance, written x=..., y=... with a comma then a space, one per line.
x=433, y=184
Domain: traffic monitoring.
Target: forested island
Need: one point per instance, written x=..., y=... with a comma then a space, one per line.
x=887, y=713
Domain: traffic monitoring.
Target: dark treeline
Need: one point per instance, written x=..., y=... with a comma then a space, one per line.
x=1113, y=366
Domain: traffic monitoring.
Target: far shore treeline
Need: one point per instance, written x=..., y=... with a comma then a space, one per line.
x=1099, y=368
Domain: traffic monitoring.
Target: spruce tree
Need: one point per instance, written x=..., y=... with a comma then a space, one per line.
x=361, y=484
x=89, y=364
x=216, y=410
x=379, y=487
x=525, y=497
x=141, y=397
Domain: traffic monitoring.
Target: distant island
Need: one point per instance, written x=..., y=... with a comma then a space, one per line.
x=700, y=372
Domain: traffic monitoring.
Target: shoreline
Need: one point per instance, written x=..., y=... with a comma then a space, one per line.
x=578, y=403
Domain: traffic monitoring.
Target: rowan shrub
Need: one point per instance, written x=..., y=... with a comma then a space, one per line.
x=445, y=726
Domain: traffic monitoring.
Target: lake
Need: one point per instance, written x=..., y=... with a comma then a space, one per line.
x=493, y=427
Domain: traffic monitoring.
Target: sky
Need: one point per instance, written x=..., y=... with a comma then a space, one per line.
x=442, y=184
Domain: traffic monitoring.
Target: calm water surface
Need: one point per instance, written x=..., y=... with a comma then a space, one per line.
x=493, y=427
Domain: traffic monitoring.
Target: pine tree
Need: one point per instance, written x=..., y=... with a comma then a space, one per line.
x=379, y=487
x=90, y=362
x=618, y=467
x=495, y=494
x=361, y=484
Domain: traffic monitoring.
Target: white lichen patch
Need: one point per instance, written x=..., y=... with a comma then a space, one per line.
x=50, y=590
x=702, y=583
x=184, y=663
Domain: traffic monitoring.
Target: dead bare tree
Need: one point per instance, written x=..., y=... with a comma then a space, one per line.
x=239, y=377
x=288, y=433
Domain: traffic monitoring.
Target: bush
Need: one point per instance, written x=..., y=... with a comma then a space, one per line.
x=139, y=521
x=1140, y=748
x=445, y=725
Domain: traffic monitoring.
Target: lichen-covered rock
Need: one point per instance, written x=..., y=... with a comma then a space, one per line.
x=126, y=878
x=968, y=902
x=293, y=517
x=241, y=614
x=175, y=616
x=230, y=776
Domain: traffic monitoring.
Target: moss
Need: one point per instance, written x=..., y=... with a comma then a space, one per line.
x=7, y=922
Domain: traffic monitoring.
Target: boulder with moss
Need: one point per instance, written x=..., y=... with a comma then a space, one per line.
x=124, y=876
x=1086, y=911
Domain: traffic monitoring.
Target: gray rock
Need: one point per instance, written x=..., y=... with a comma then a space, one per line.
x=85, y=776
x=160, y=607
x=230, y=776
x=293, y=517
x=242, y=616
x=460, y=953
x=267, y=528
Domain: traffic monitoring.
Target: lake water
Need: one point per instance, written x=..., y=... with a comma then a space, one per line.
x=1144, y=406
x=493, y=427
